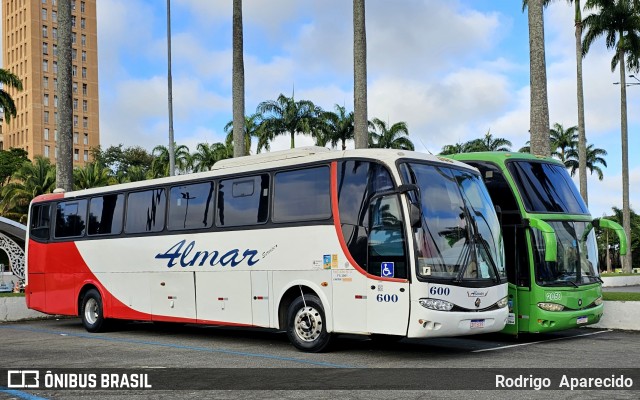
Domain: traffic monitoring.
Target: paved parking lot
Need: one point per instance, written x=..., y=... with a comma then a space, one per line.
x=50, y=344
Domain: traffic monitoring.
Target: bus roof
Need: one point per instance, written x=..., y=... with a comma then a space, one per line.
x=270, y=160
x=499, y=157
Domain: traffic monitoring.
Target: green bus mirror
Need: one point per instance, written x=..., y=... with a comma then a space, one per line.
x=549, y=235
x=614, y=226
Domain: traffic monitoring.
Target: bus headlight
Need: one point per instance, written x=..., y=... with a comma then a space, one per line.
x=502, y=303
x=597, y=301
x=551, y=306
x=435, y=304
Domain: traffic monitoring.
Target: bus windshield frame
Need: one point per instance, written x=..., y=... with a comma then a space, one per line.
x=458, y=240
x=577, y=256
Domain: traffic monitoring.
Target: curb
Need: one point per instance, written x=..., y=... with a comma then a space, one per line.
x=15, y=309
x=611, y=281
x=620, y=315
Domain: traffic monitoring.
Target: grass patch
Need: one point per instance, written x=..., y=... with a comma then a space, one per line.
x=612, y=274
x=621, y=296
x=11, y=294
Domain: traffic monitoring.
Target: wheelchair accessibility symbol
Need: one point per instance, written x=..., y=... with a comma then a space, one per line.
x=386, y=270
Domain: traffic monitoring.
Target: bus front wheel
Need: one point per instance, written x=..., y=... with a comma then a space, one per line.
x=92, y=312
x=306, y=324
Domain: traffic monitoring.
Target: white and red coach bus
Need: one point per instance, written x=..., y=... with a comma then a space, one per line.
x=311, y=241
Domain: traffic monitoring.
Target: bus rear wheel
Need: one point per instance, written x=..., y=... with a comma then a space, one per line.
x=92, y=313
x=306, y=327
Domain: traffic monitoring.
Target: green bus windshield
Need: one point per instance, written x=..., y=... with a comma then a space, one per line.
x=577, y=262
x=546, y=188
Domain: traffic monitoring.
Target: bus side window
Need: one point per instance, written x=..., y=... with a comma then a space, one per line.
x=191, y=206
x=386, y=238
x=71, y=219
x=243, y=201
x=105, y=214
x=145, y=211
x=40, y=221
x=301, y=195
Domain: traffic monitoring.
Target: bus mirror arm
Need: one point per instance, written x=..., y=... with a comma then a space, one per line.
x=408, y=187
x=414, y=208
x=414, y=215
x=549, y=235
x=614, y=226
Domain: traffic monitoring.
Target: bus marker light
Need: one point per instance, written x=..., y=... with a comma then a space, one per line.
x=360, y=297
x=222, y=299
x=324, y=284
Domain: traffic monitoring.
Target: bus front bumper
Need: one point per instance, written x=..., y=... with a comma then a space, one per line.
x=426, y=323
x=550, y=321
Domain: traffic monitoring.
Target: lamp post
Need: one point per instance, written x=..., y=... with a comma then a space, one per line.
x=187, y=197
x=172, y=154
x=627, y=84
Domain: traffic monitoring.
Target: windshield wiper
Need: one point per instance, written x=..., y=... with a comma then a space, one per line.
x=476, y=237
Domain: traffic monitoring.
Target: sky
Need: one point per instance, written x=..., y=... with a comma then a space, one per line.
x=451, y=69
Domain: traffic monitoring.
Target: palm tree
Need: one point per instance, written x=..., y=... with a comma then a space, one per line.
x=171, y=150
x=619, y=22
x=563, y=141
x=454, y=149
x=64, y=163
x=208, y=154
x=539, y=108
x=287, y=116
x=360, y=75
x=160, y=164
x=238, y=82
x=339, y=126
x=90, y=176
x=251, y=129
x=488, y=143
x=582, y=138
x=134, y=173
x=29, y=181
x=394, y=137
x=594, y=156
x=8, y=80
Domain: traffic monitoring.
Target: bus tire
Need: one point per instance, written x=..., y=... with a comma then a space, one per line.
x=306, y=324
x=92, y=312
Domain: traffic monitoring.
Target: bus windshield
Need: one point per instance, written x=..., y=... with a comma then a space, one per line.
x=546, y=187
x=577, y=255
x=459, y=238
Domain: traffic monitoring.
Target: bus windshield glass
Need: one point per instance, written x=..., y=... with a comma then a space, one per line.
x=546, y=188
x=577, y=255
x=459, y=238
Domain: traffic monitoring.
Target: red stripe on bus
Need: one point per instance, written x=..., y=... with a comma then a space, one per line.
x=336, y=223
x=48, y=196
x=70, y=273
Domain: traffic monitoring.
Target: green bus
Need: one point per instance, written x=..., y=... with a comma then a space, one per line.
x=549, y=239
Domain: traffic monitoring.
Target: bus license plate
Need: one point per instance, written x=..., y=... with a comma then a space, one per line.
x=583, y=320
x=477, y=323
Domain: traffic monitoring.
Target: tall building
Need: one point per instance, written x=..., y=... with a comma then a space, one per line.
x=29, y=44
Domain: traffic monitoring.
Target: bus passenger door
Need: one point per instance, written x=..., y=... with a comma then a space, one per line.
x=388, y=298
x=388, y=307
